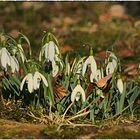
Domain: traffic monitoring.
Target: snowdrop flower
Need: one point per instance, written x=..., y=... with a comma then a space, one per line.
x=77, y=92
x=112, y=63
x=110, y=68
x=55, y=69
x=90, y=61
x=120, y=85
x=114, y=59
x=49, y=49
x=14, y=64
x=5, y=58
x=33, y=81
x=30, y=82
x=99, y=75
x=37, y=79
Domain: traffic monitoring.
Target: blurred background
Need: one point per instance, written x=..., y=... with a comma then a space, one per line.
x=103, y=25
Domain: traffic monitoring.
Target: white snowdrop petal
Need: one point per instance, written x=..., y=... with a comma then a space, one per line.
x=120, y=85
x=78, y=89
x=110, y=68
x=30, y=83
x=85, y=66
x=36, y=82
x=16, y=64
x=56, y=49
x=3, y=58
x=91, y=78
x=42, y=52
x=51, y=51
x=12, y=64
x=55, y=69
x=8, y=57
x=68, y=68
x=93, y=65
x=46, y=48
x=23, y=81
x=44, y=80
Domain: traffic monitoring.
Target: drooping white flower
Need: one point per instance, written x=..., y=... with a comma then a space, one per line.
x=99, y=75
x=55, y=69
x=14, y=64
x=110, y=68
x=7, y=60
x=114, y=59
x=33, y=81
x=37, y=79
x=112, y=63
x=120, y=85
x=78, y=92
x=30, y=82
x=90, y=61
x=4, y=58
x=49, y=49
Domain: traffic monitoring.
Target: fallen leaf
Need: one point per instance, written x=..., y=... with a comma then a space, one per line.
x=59, y=92
x=102, y=82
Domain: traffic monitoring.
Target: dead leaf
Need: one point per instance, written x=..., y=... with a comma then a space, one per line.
x=59, y=92
x=101, y=83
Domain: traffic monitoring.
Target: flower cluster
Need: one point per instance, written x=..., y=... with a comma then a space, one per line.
x=7, y=60
x=33, y=81
x=52, y=54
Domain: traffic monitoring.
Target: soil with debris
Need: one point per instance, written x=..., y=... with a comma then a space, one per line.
x=16, y=130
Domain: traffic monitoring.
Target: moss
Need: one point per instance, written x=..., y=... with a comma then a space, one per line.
x=119, y=134
x=65, y=132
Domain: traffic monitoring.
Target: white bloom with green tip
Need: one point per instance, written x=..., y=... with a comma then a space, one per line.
x=120, y=85
x=30, y=82
x=110, y=68
x=77, y=92
x=55, y=69
x=14, y=64
x=7, y=60
x=90, y=61
x=33, y=81
x=112, y=63
x=49, y=49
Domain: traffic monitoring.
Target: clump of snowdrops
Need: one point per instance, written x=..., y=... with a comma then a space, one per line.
x=68, y=88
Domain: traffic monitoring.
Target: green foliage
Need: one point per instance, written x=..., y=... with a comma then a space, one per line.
x=60, y=87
